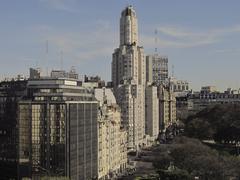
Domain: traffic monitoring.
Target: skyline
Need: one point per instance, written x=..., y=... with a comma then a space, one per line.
x=87, y=32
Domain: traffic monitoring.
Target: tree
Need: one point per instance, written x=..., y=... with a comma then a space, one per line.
x=192, y=158
x=221, y=123
x=176, y=174
x=199, y=128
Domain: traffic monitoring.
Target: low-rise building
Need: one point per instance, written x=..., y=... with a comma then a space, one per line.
x=63, y=74
x=208, y=89
x=176, y=85
x=200, y=100
x=193, y=102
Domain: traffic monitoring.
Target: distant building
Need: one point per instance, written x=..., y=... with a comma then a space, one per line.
x=63, y=74
x=167, y=108
x=152, y=112
x=208, y=89
x=178, y=85
x=200, y=100
x=232, y=91
x=73, y=74
x=208, y=96
x=93, y=82
x=156, y=69
x=20, y=77
x=112, y=137
x=59, y=74
x=162, y=96
x=35, y=73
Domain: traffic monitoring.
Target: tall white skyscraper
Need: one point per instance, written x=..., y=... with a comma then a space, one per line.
x=129, y=79
x=128, y=27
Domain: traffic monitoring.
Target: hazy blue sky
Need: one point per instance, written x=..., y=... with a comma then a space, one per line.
x=201, y=38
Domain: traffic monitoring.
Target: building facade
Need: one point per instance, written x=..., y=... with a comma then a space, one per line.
x=11, y=92
x=129, y=78
x=198, y=101
x=156, y=69
x=58, y=130
x=208, y=89
x=193, y=102
x=112, y=137
x=152, y=112
x=178, y=85
x=63, y=74
x=167, y=108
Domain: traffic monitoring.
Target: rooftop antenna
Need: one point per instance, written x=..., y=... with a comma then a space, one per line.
x=36, y=63
x=156, y=41
x=47, y=56
x=172, y=70
x=73, y=69
x=61, y=56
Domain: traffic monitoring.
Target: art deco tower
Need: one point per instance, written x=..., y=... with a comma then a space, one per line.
x=128, y=27
x=128, y=77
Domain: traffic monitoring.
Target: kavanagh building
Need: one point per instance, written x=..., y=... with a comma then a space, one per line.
x=128, y=78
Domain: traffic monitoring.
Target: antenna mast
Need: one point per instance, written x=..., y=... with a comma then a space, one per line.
x=61, y=54
x=172, y=70
x=156, y=40
x=47, y=56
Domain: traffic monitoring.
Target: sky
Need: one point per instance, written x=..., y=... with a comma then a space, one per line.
x=200, y=38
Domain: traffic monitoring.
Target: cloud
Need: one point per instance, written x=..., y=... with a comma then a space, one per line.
x=179, y=37
x=100, y=39
x=180, y=32
x=228, y=51
x=61, y=5
x=97, y=43
x=148, y=42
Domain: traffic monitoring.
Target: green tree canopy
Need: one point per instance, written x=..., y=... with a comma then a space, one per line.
x=191, y=158
x=221, y=123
